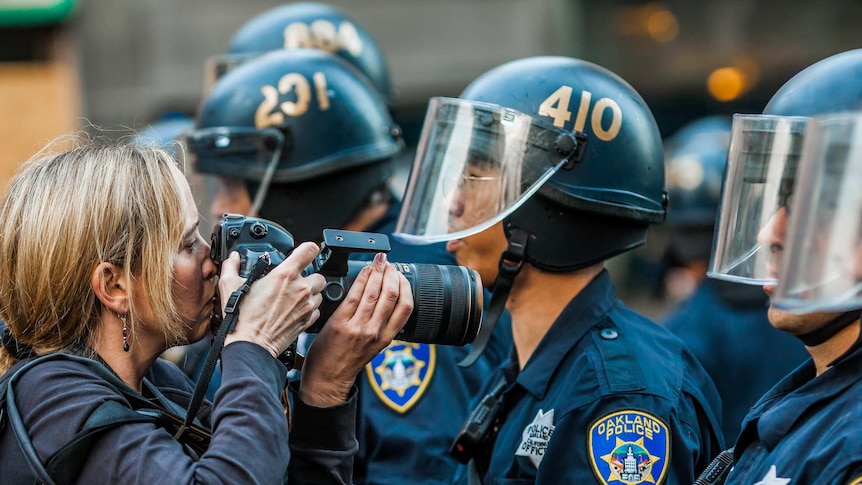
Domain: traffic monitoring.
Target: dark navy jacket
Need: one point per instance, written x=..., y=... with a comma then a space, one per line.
x=805, y=430
x=608, y=397
x=406, y=424
x=727, y=329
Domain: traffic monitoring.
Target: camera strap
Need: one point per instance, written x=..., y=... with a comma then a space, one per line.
x=231, y=311
x=510, y=265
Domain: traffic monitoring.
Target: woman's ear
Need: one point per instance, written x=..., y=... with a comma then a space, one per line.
x=111, y=286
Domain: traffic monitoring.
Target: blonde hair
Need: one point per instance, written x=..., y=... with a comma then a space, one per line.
x=65, y=213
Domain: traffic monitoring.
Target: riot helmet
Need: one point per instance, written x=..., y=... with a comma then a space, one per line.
x=763, y=159
x=695, y=158
x=306, y=25
x=307, y=133
x=558, y=149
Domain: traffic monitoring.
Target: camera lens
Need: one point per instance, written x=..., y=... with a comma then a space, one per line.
x=447, y=303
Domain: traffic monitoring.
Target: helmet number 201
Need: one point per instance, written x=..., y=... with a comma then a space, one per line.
x=556, y=106
x=270, y=112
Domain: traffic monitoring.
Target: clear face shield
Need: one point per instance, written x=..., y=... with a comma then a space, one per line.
x=822, y=265
x=476, y=163
x=761, y=165
x=222, y=162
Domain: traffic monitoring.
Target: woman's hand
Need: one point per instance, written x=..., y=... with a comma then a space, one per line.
x=376, y=307
x=279, y=306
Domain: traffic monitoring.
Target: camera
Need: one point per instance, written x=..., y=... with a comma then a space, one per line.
x=447, y=299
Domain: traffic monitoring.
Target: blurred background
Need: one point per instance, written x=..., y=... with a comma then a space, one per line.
x=67, y=65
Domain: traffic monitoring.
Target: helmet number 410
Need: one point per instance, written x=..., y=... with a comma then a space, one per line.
x=270, y=112
x=556, y=106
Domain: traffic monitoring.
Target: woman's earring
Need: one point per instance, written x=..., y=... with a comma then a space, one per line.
x=125, y=333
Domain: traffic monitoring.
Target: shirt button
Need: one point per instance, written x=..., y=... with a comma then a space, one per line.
x=609, y=334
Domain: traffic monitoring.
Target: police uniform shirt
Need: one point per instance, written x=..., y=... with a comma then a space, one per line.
x=726, y=328
x=805, y=430
x=607, y=397
x=413, y=397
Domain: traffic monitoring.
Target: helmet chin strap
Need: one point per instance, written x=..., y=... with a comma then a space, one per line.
x=266, y=180
x=510, y=265
x=826, y=332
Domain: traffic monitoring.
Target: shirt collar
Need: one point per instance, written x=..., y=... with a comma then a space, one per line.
x=584, y=311
x=779, y=410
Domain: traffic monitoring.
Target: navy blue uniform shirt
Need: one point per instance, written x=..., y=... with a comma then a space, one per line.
x=805, y=430
x=413, y=398
x=727, y=329
x=607, y=397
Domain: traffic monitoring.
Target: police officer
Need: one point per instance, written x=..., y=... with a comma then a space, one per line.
x=305, y=140
x=805, y=429
x=723, y=323
x=544, y=168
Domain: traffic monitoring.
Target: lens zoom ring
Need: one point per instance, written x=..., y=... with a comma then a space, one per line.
x=429, y=306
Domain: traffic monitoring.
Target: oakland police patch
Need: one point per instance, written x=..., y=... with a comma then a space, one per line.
x=629, y=447
x=400, y=374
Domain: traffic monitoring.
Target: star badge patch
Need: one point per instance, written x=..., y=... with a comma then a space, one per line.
x=401, y=373
x=629, y=447
x=535, y=437
x=772, y=478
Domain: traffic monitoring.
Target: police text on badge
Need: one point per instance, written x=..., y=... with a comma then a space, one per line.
x=535, y=437
x=624, y=424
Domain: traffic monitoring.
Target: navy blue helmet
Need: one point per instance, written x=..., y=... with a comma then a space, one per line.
x=831, y=85
x=316, y=26
x=602, y=205
x=305, y=127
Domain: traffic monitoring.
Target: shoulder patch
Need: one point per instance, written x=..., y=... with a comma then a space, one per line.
x=629, y=447
x=401, y=373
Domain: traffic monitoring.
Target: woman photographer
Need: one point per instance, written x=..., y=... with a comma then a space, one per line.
x=103, y=258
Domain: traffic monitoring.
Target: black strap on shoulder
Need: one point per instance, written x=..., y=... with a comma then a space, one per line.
x=65, y=466
x=261, y=266
x=16, y=422
x=510, y=265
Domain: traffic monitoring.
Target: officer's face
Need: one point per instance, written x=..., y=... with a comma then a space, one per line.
x=772, y=237
x=474, y=196
x=231, y=196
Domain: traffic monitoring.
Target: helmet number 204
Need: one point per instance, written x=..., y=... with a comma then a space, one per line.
x=270, y=112
x=556, y=106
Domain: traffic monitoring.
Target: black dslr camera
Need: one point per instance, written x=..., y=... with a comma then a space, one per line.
x=447, y=299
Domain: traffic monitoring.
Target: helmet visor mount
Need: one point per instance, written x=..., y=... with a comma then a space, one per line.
x=476, y=163
x=752, y=219
x=823, y=260
x=219, y=157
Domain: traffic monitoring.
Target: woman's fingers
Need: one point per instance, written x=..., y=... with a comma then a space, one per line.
x=299, y=259
x=403, y=308
x=388, y=297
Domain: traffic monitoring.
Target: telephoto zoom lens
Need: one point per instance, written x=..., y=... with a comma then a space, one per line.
x=447, y=302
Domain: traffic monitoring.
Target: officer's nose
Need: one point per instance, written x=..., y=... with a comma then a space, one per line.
x=456, y=206
x=771, y=236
